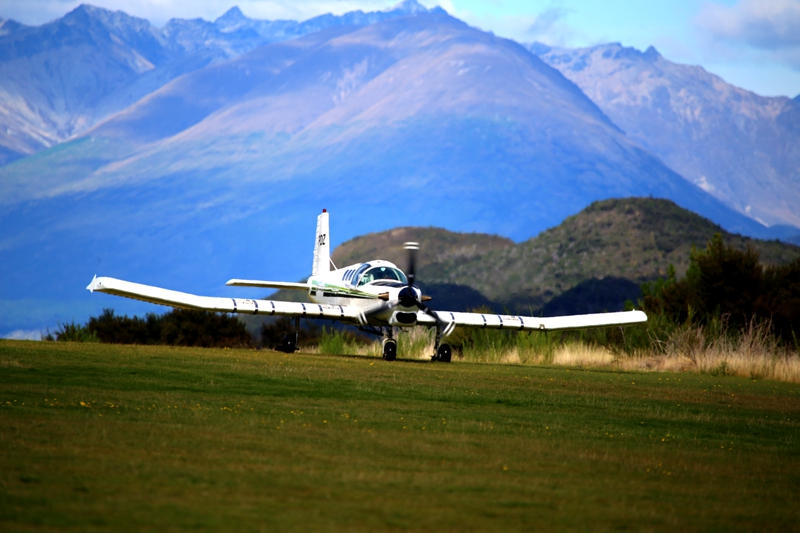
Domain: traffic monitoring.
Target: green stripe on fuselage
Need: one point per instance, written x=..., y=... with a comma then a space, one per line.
x=336, y=291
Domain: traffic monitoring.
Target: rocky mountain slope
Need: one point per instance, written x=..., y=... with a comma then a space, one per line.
x=59, y=79
x=365, y=113
x=742, y=148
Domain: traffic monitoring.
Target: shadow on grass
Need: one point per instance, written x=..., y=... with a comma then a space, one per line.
x=366, y=357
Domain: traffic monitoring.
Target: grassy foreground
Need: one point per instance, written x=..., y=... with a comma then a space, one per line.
x=124, y=438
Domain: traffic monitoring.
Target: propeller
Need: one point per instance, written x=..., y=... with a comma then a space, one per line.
x=413, y=251
x=408, y=296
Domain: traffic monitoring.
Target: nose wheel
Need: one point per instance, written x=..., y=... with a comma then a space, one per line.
x=389, y=349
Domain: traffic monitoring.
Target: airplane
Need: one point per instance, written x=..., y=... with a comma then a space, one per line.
x=375, y=296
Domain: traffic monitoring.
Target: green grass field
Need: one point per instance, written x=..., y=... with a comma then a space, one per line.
x=126, y=438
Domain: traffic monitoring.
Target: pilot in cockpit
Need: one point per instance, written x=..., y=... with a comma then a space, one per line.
x=379, y=273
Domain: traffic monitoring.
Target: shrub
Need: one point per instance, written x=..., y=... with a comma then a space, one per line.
x=72, y=332
x=730, y=286
x=179, y=327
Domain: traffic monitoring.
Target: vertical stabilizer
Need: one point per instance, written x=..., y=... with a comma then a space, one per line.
x=322, y=251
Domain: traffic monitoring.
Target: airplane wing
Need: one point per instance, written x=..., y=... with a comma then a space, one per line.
x=556, y=323
x=157, y=295
x=267, y=284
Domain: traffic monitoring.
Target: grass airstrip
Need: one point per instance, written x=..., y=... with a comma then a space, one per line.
x=126, y=438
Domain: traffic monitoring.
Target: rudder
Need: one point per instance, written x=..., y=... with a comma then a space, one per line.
x=322, y=251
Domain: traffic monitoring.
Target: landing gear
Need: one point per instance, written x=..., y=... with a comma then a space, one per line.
x=443, y=351
x=389, y=346
x=389, y=349
x=289, y=342
x=443, y=354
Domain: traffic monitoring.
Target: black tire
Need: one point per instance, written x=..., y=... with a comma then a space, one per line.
x=288, y=344
x=444, y=353
x=389, y=350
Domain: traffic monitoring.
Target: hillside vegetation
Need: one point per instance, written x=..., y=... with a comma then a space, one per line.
x=634, y=239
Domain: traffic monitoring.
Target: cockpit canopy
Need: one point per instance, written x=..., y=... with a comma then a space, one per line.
x=382, y=273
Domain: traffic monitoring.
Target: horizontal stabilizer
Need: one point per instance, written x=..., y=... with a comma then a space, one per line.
x=267, y=284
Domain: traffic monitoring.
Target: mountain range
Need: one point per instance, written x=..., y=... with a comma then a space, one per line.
x=202, y=151
x=59, y=79
x=742, y=148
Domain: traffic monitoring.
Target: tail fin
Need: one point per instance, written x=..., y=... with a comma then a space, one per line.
x=322, y=251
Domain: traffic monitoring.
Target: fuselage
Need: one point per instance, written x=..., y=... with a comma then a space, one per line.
x=373, y=286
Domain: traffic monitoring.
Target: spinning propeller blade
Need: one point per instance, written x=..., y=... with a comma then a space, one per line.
x=408, y=296
x=413, y=250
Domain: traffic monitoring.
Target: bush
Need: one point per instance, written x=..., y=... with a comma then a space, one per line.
x=72, y=332
x=726, y=286
x=179, y=327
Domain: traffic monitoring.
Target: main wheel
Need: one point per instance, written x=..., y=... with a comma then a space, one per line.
x=444, y=353
x=288, y=344
x=389, y=349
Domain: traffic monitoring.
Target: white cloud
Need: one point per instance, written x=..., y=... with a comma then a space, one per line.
x=546, y=20
x=24, y=335
x=548, y=26
x=770, y=27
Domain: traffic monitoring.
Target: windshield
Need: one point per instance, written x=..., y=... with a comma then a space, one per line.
x=387, y=273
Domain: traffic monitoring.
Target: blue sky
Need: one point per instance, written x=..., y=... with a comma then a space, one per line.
x=754, y=44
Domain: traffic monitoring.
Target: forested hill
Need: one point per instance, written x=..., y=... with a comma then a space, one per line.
x=600, y=254
x=437, y=245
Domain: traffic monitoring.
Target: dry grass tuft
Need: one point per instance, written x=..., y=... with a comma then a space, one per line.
x=754, y=353
x=578, y=354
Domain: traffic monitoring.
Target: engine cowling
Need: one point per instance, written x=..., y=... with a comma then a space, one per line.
x=403, y=318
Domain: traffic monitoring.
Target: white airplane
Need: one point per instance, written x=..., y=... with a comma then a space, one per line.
x=375, y=296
